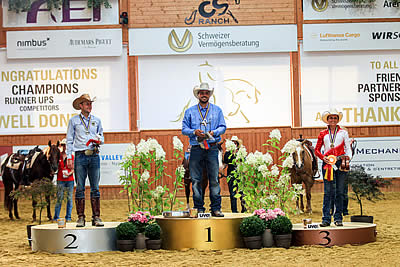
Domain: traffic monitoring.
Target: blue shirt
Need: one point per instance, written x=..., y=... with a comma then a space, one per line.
x=214, y=122
x=78, y=135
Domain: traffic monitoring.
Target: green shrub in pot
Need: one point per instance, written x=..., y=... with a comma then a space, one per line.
x=252, y=226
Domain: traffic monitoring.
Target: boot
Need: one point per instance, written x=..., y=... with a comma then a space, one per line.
x=96, y=221
x=80, y=210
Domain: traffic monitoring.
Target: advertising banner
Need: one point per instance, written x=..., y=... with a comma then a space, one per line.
x=378, y=155
x=213, y=40
x=110, y=159
x=65, y=43
x=347, y=9
x=351, y=36
x=36, y=94
x=70, y=13
x=253, y=90
x=364, y=85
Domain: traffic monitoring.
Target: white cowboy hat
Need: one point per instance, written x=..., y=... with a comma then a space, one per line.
x=202, y=87
x=236, y=139
x=326, y=114
x=63, y=142
x=81, y=99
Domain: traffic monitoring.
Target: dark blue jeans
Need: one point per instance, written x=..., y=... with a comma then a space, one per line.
x=333, y=189
x=87, y=166
x=209, y=158
x=232, y=193
x=68, y=186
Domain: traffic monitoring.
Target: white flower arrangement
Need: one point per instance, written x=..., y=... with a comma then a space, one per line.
x=263, y=183
x=275, y=134
x=230, y=145
x=290, y=146
x=177, y=143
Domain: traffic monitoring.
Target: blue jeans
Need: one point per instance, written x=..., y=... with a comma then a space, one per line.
x=333, y=189
x=232, y=193
x=69, y=187
x=209, y=158
x=87, y=166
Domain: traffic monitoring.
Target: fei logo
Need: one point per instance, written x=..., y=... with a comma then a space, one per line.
x=68, y=12
x=180, y=45
x=319, y=5
x=212, y=12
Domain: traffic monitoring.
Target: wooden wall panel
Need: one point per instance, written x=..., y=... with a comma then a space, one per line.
x=172, y=13
x=2, y=31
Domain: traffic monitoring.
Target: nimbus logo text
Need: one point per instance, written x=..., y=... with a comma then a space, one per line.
x=32, y=43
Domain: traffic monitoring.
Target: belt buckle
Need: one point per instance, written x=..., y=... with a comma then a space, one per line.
x=88, y=152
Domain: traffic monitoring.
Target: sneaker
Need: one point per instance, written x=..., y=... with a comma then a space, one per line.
x=339, y=223
x=325, y=224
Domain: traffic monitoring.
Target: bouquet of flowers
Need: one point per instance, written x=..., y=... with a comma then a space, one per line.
x=143, y=172
x=260, y=181
x=268, y=215
x=140, y=220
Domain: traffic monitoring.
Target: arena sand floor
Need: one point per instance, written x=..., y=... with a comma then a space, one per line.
x=14, y=249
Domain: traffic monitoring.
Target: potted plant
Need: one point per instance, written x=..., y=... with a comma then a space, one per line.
x=153, y=233
x=251, y=229
x=281, y=228
x=140, y=219
x=40, y=191
x=364, y=185
x=126, y=234
x=268, y=216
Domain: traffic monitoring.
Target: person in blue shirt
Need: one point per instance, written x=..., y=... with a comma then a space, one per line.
x=204, y=124
x=84, y=135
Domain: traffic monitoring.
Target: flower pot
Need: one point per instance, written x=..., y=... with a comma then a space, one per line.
x=126, y=245
x=267, y=239
x=140, y=241
x=253, y=242
x=363, y=219
x=283, y=241
x=153, y=244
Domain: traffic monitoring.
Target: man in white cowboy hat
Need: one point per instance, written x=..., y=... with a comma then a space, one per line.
x=229, y=156
x=204, y=123
x=336, y=143
x=84, y=134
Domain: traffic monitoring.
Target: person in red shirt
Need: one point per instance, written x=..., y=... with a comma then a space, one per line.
x=335, y=143
x=65, y=183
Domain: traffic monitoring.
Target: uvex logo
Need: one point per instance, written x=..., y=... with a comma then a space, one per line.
x=180, y=45
x=319, y=5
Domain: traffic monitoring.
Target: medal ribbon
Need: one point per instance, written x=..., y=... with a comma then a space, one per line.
x=203, y=120
x=84, y=124
x=332, y=137
x=201, y=114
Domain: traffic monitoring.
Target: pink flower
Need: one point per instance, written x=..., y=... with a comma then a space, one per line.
x=259, y=212
x=278, y=211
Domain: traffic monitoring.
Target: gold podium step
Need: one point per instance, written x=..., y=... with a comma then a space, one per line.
x=203, y=234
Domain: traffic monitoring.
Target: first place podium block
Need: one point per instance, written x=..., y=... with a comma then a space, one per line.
x=204, y=234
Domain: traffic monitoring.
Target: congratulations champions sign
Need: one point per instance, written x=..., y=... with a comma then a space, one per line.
x=36, y=95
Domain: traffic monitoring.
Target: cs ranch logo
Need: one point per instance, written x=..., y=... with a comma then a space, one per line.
x=212, y=12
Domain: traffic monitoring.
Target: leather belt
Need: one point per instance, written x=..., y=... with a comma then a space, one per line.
x=211, y=144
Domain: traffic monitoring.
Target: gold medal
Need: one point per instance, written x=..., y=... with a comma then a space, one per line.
x=332, y=145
